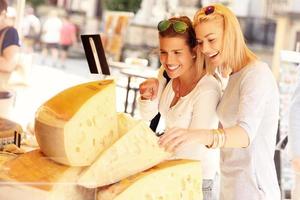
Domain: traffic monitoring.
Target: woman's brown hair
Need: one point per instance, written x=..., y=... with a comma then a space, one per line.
x=3, y=5
x=189, y=34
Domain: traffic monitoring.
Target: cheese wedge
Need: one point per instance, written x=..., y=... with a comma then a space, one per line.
x=125, y=123
x=171, y=180
x=76, y=125
x=136, y=151
x=34, y=176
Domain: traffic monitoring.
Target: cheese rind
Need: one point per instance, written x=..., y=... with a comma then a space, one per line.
x=136, y=151
x=171, y=180
x=75, y=97
x=34, y=175
x=76, y=125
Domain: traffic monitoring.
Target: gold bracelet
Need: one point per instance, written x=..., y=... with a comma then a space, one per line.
x=222, y=137
x=219, y=139
x=216, y=139
x=213, y=142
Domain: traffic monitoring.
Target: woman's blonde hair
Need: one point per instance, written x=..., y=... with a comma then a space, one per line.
x=235, y=53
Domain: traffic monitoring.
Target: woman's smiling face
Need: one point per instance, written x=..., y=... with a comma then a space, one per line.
x=209, y=36
x=175, y=55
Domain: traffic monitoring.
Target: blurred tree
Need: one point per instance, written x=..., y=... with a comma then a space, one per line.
x=123, y=5
x=35, y=3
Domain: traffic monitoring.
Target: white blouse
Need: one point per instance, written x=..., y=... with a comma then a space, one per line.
x=250, y=100
x=194, y=111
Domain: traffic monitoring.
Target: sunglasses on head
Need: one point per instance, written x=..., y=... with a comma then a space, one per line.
x=178, y=26
x=209, y=10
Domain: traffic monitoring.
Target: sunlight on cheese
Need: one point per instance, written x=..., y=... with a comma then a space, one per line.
x=136, y=151
x=34, y=175
x=76, y=125
x=125, y=123
x=171, y=180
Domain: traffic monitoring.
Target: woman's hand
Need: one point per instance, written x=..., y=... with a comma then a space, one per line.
x=175, y=138
x=149, y=89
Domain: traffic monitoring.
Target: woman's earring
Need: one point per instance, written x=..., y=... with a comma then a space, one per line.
x=194, y=56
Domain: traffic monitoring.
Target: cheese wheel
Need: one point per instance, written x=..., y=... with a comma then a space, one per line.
x=136, y=151
x=34, y=176
x=77, y=124
x=171, y=180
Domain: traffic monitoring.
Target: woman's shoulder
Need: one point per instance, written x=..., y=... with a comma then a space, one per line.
x=259, y=73
x=209, y=83
x=257, y=66
x=11, y=30
x=11, y=33
x=210, y=80
x=8, y=31
x=11, y=37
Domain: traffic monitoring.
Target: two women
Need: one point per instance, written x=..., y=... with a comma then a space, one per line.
x=248, y=111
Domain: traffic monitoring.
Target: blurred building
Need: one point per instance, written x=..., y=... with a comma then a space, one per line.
x=92, y=8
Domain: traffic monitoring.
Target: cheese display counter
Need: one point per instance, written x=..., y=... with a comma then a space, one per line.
x=89, y=151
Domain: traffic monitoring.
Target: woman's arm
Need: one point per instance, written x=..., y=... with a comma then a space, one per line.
x=149, y=107
x=9, y=58
x=205, y=117
x=10, y=53
x=236, y=137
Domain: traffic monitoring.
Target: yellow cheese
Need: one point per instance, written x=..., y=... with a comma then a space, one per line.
x=172, y=180
x=76, y=125
x=5, y=156
x=136, y=151
x=34, y=176
x=125, y=123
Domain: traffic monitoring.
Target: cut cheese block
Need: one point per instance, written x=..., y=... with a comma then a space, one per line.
x=33, y=176
x=76, y=125
x=136, y=151
x=172, y=180
x=125, y=123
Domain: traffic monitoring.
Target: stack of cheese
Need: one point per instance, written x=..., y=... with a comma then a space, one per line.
x=32, y=176
x=86, y=145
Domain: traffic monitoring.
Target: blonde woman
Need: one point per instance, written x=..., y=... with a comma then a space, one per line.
x=248, y=110
x=189, y=100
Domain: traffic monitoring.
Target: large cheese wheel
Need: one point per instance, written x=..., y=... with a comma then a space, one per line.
x=77, y=124
x=32, y=176
x=136, y=151
x=171, y=180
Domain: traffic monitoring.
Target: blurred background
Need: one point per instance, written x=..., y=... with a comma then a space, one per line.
x=129, y=37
